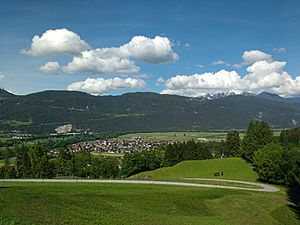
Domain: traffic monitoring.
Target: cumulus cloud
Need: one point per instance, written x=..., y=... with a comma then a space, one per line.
x=218, y=62
x=253, y=56
x=114, y=60
x=50, y=67
x=95, y=62
x=53, y=42
x=100, y=86
x=201, y=84
x=154, y=51
x=118, y=60
x=262, y=76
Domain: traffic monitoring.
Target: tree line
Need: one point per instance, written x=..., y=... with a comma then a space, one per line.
x=37, y=161
x=275, y=159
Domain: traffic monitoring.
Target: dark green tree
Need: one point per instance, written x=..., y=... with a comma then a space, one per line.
x=267, y=163
x=232, y=145
x=258, y=134
x=23, y=165
x=40, y=166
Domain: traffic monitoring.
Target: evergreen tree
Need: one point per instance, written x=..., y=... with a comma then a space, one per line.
x=231, y=146
x=258, y=134
x=23, y=165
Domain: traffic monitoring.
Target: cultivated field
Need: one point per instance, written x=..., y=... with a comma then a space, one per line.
x=178, y=136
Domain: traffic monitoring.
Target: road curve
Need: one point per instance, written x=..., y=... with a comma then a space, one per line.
x=265, y=188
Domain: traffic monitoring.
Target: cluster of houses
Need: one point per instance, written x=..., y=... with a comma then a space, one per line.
x=116, y=145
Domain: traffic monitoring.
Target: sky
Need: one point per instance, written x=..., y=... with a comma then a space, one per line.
x=188, y=48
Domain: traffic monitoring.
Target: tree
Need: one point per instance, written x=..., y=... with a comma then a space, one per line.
x=23, y=165
x=267, y=163
x=291, y=136
x=82, y=163
x=40, y=166
x=258, y=134
x=291, y=165
x=231, y=146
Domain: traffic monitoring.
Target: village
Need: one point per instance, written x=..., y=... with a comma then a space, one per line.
x=115, y=145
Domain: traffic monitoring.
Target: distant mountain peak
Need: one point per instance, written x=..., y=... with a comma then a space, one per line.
x=222, y=94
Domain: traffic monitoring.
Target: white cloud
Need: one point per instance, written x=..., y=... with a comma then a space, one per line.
x=53, y=42
x=50, y=67
x=262, y=76
x=200, y=84
x=160, y=80
x=154, y=51
x=100, y=86
x=199, y=66
x=114, y=60
x=236, y=66
x=279, y=50
x=96, y=62
x=218, y=62
x=253, y=56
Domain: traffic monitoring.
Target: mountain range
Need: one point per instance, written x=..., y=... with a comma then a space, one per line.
x=45, y=111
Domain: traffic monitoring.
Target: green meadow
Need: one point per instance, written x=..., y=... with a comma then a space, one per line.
x=139, y=204
x=232, y=168
x=129, y=204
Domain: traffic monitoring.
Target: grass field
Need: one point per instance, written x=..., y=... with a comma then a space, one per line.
x=17, y=123
x=232, y=168
x=78, y=203
x=140, y=204
x=183, y=136
x=177, y=136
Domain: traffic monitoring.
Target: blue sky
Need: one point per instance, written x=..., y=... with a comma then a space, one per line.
x=200, y=32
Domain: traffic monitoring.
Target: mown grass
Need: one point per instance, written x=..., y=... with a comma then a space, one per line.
x=94, y=203
x=232, y=168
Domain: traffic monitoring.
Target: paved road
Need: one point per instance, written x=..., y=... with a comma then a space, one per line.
x=265, y=188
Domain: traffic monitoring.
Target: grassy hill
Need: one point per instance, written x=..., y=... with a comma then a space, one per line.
x=232, y=168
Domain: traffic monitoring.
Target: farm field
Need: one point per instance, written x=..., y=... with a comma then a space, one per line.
x=82, y=203
x=184, y=136
x=177, y=136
